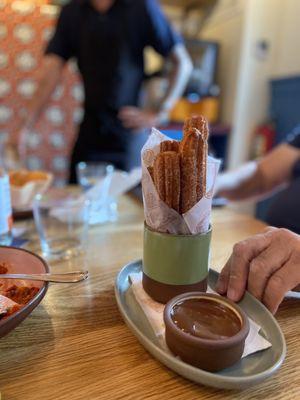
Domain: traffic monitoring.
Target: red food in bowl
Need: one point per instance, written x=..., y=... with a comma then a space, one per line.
x=26, y=295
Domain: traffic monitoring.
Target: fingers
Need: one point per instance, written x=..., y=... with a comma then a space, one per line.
x=130, y=117
x=223, y=279
x=285, y=279
x=239, y=268
x=270, y=229
x=267, y=263
x=126, y=111
x=234, y=280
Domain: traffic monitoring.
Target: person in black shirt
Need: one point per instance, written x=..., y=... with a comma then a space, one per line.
x=278, y=171
x=107, y=38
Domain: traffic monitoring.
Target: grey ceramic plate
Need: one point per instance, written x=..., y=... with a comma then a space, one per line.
x=249, y=371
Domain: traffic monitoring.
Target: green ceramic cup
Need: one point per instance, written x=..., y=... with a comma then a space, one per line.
x=174, y=264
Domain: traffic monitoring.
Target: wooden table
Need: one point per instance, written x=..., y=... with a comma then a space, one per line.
x=75, y=345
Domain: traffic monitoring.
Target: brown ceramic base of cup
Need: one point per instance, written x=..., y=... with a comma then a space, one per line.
x=162, y=292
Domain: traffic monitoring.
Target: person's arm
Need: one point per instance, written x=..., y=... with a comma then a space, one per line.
x=160, y=35
x=135, y=118
x=267, y=265
x=50, y=75
x=178, y=78
x=257, y=179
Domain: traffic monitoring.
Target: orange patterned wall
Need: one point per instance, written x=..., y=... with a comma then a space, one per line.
x=24, y=31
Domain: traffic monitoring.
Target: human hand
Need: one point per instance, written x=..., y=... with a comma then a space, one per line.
x=136, y=118
x=267, y=265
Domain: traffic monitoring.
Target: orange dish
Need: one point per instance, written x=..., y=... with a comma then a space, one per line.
x=20, y=178
x=21, y=294
x=14, y=297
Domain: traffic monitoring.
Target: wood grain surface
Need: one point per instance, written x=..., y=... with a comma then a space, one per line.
x=75, y=345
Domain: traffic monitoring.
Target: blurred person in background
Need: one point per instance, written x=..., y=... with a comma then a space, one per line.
x=267, y=265
x=279, y=171
x=107, y=38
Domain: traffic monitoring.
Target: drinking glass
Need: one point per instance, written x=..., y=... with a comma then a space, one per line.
x=61, y=220
x=89, y=173
x=95, y=179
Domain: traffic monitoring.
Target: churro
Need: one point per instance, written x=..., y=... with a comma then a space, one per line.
x=166, y=172
x=199, y=122
x=169, y=145
x=188, y=164
x=179, y=170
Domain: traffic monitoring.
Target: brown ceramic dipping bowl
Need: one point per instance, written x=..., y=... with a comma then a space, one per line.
x=207, y=349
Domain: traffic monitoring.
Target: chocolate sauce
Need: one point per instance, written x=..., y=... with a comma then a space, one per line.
x=206, y=319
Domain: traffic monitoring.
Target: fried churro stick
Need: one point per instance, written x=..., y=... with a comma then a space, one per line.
x=166, y=171
x=186, y=128
x=188, y=163
x=199, y=122
x=169, y=145
x=159, y=176
x=201, y=167
x=172, y=179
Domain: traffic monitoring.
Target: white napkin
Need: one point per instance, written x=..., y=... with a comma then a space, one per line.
x=292, y=295
x=105, y=192
x=154, y=313
x=122, y=181
x=110, y=187
x=119, y=182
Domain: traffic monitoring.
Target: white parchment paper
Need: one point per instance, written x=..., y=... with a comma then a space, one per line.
x=158, y=215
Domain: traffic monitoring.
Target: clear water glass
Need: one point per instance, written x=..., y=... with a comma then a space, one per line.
x=61, y=220
x=99, y=176
x=89, y=173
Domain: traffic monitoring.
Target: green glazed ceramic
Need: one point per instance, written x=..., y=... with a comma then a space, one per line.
x=176, y=259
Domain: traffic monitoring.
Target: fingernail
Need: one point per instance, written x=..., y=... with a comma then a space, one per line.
x=231, y=294
x=220, y=287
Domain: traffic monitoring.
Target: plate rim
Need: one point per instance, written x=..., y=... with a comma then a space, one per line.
x=240, y=381
x=37, y=298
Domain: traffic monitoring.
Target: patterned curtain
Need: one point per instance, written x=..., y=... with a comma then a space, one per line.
x=25, y=28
